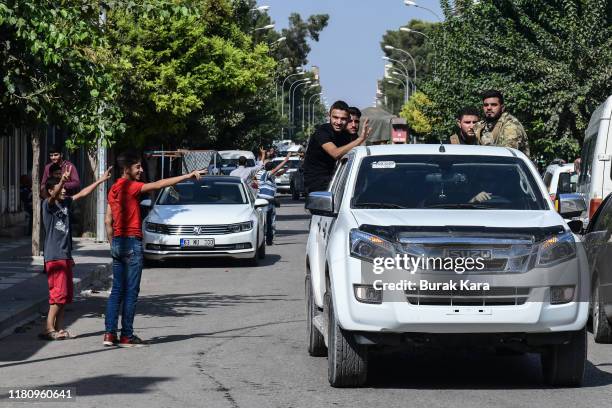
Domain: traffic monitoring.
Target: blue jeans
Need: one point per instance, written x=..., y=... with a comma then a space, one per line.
x=127, y=270
x=270, y=223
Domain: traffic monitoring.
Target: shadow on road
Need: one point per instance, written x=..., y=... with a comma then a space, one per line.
x=432, y=370
x=214, y=263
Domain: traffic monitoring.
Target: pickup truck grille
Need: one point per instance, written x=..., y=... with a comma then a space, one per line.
x=497, y=255
x=495, y=296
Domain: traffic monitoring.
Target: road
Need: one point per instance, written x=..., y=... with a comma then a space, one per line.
x=226, y=335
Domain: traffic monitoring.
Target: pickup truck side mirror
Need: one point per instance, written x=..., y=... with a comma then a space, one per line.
x=321, y=203
x=571, y=205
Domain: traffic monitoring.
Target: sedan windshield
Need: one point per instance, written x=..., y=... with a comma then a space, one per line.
x=203, y=192
x=446, y=182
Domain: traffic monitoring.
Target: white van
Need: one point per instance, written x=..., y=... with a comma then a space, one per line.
x=595, y=180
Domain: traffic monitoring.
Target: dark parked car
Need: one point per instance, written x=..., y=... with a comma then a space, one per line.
x=598, y=244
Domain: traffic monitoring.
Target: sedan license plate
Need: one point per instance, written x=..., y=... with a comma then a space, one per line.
x=198, y=243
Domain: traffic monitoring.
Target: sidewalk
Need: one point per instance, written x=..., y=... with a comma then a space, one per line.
x=23, y=286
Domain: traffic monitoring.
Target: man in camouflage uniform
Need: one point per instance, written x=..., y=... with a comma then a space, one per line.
x=467, y=119
x=499, y=127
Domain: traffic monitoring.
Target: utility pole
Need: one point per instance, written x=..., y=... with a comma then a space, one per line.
x=101, y=198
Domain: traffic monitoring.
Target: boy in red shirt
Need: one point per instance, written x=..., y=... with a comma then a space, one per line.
x=56, y=213
x=123, y=228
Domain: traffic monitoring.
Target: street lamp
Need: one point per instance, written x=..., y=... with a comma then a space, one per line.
x=392, y=48
x=267, y=27
x=300, y=71
x=297, y=84
x=280, y=40
x=411, y=31
x=402, y=83
x=414, y=4
x=260, y=8
x=405, y=72
x=311, y=107
x=303, y=101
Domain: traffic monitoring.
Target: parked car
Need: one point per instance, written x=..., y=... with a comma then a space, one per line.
x=217, y=216
x=283, y=182
x=552, y=180
x=599, y=250
x=595, y=179
x=451, y=202
x=230, y=160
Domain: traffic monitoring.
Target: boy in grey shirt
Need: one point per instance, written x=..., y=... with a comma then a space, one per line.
x=56, y=212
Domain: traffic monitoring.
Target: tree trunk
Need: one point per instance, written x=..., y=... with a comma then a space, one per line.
x=36, y=207
x=89, y=202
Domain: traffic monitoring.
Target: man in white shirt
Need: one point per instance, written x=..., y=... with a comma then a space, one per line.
x=247, y=173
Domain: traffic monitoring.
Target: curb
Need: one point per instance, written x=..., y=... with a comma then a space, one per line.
x=37, y=306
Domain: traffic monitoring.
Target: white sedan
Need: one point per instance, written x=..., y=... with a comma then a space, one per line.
x=216, y=216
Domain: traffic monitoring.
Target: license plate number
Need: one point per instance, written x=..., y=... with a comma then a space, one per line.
x=198, y=242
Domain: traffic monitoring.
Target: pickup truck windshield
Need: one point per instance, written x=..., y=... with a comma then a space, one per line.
x=446, y=182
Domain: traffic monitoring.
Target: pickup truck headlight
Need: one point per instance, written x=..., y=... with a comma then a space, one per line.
x=369, y=247
x=557, y=249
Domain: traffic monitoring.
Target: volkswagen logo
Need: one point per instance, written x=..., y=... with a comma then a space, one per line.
x=197, y=230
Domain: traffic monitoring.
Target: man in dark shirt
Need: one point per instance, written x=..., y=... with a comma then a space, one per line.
x=467, y=118
x=353, y=124
x=328, y=144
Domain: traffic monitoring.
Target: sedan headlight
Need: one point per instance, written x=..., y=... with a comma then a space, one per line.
x=557, y=249
x=369, y=247
x=155, y=228
x=242, y=227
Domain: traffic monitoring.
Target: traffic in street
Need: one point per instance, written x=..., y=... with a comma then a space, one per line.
x=224, y=334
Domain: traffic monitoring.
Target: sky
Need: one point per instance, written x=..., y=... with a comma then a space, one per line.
x=348, y=52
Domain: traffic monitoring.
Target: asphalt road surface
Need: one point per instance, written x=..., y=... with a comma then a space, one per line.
x=226, y=335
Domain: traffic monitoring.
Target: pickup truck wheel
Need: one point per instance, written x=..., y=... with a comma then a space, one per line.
x=316, y=342
x=347, y=361
x=563, y=364
x=602, y=330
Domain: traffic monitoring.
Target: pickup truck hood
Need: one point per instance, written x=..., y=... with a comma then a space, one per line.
x=200, y=214
x=468, y=218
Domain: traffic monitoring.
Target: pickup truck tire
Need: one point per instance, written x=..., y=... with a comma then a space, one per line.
x=602, y=330
x=563, y=364
x=316, y=342
x=347, y=361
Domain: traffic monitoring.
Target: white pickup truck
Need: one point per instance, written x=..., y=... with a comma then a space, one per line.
x=527, y=289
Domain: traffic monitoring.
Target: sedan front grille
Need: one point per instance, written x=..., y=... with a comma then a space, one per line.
x=495, y=296
x=193, y=230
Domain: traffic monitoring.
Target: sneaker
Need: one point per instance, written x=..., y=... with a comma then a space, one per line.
x=110, y=339
x=134, y=341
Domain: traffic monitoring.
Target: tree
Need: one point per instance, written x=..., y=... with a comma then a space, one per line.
x=56, y=69
x=414, y=113
x=552, y=60
x=189, y=63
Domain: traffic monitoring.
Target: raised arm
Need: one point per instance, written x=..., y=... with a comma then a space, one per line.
x=337, y=152
x=90, y=188
x=57, y=190
x=280, y=166
x=157, y=185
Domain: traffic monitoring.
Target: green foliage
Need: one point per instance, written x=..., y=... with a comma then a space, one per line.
x=56, y=68
x=190, y=66
x=414, y=113
x=551, y=59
